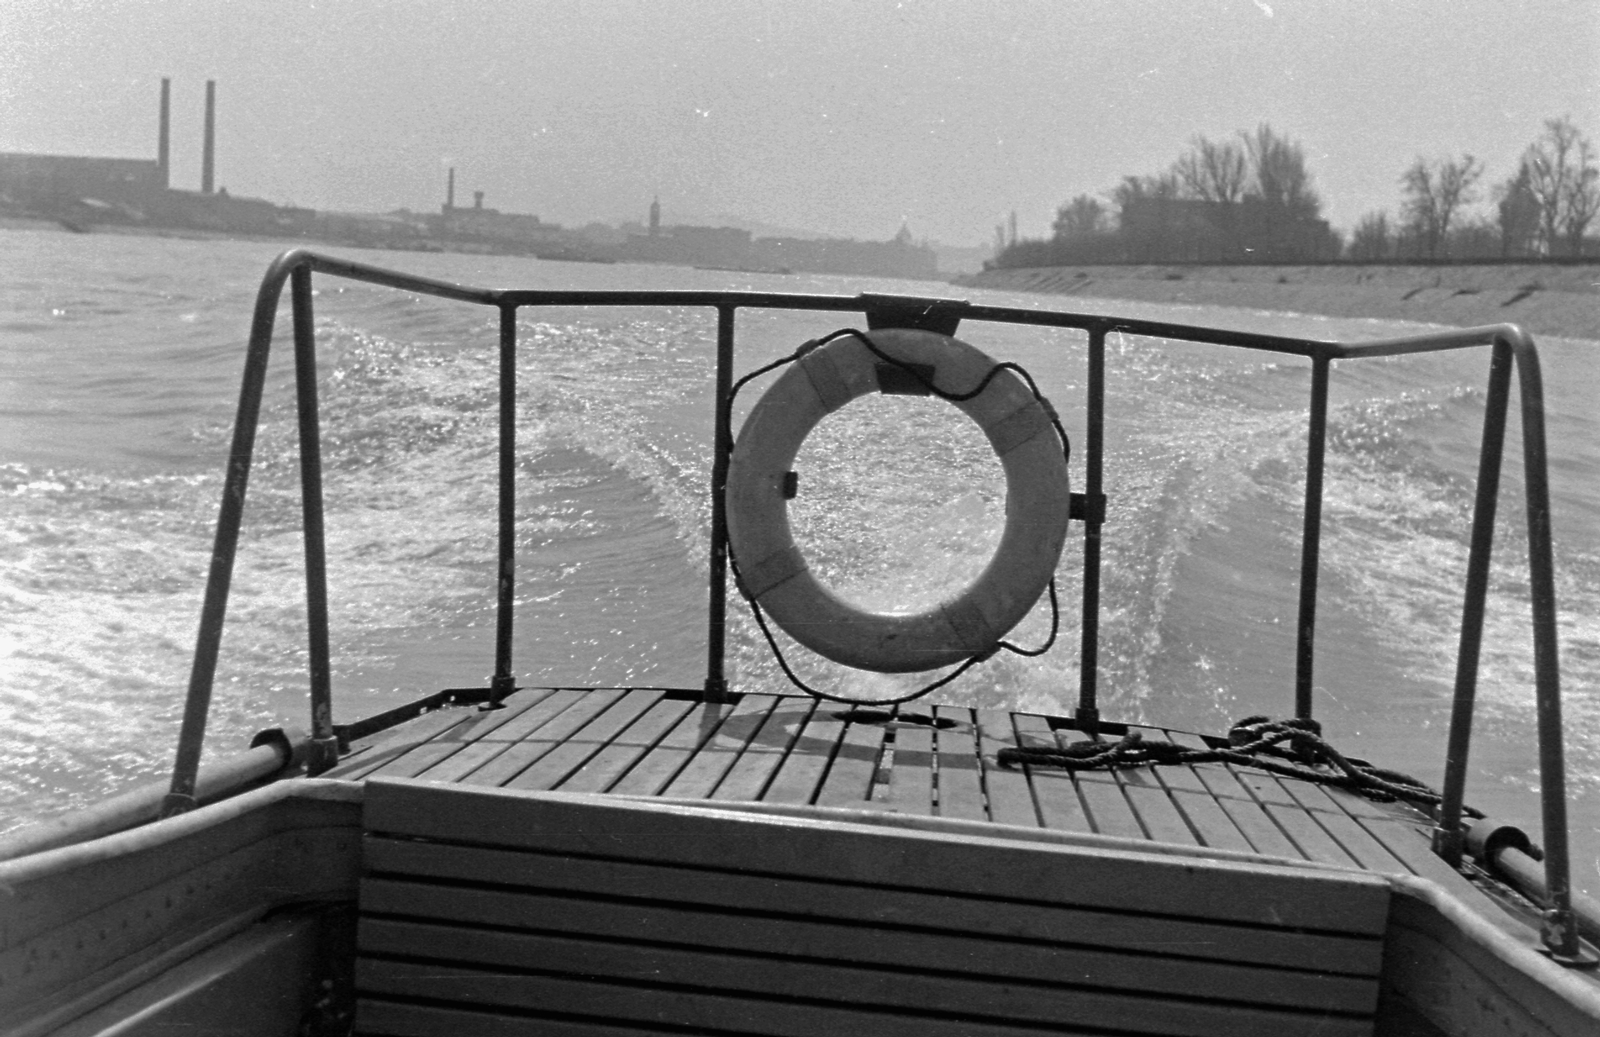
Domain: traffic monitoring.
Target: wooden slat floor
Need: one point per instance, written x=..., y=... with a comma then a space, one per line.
x=789, y=749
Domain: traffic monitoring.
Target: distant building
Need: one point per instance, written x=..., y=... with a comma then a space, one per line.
x=492, y=224
x=1193, y=230
x=89, y=190
x=54, y=179
x=691, y=245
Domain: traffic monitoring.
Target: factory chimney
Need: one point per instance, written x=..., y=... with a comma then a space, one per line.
x=208, y=155
x=450, y=191
x=163, y=152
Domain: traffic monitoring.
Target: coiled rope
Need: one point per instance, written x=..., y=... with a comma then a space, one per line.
x=953, y=397
x=1252, y=742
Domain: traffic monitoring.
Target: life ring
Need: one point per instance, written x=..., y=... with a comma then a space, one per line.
x=771, y=568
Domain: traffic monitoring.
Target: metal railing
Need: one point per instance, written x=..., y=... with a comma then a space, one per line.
x=1510, y=347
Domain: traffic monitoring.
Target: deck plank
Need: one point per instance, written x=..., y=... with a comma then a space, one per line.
x=910, y=787
x=926, y=952
x=1241, y=807
x=1369, y=852
x=652, y=771
x=1055, y=791
x=540, y=734
x=437, y=751
x=1050, y=929
x=605, y=767
x=706, y=768
x=692, y=1010
x=1110, y=813
x=854, y=771
x=747, y=779
x=786, y=982
x=577, y=748
x=1310, y=837
x=799, y=777
x=379, y=1016
x=1152, y=801
x=1359, y=843
x=462, y=739
x=960, y=785
x=1110, y=810
x=505, y=734
x=1010, y=799
x=1193, y=797
x=392, y=745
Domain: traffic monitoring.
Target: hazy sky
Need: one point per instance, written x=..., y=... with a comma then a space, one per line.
x=839, y=116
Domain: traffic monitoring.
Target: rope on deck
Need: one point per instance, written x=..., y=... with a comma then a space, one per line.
x=1252, y=742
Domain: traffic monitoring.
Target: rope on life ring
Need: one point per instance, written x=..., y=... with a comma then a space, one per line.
x=1025, y=436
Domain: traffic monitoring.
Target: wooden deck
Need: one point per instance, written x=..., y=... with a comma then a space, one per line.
x=487, y=905
x=788, y=749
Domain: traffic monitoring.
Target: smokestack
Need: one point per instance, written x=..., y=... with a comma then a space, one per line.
x=450, y=191
x=163, y=153
x=208, y=155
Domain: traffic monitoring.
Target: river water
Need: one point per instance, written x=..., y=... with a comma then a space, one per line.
x=119, y=367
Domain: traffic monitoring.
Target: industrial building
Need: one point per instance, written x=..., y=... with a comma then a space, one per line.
x=83, y=190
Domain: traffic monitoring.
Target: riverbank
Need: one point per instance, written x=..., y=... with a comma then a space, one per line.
x=1545, y=300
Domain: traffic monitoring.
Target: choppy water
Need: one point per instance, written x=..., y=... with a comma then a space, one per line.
x=119, y=365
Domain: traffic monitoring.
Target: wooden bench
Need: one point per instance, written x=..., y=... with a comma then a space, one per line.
x=486, y=910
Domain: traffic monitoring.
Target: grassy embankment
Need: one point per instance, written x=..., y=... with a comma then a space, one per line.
x=1546, y=300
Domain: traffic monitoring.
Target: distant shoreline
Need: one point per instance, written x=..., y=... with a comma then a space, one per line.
x=1561, y=300
x=455, y=246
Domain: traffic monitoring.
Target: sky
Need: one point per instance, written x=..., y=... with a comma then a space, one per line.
x=845, y=117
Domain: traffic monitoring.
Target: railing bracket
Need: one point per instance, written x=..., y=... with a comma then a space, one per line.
x=1086, y=508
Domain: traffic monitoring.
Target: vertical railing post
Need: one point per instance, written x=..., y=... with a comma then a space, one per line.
x=504, y=683
x=1448, y=837
x=1311, y=538
x=1088, y=713
x=324, y=745
x=716, y=688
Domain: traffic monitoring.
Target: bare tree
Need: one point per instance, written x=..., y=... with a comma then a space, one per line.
x=1372, y=238
x=1080, y=218
x=1213, y=171
x=1433, y=195
x=1563, y=177
x=1278, y=166
x=1583, y=197
x=1216, y=173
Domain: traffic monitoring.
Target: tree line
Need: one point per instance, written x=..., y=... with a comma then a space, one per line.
x=1250, y=199
x=1544, y=209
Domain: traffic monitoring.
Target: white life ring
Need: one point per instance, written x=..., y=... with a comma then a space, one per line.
x=772, y=570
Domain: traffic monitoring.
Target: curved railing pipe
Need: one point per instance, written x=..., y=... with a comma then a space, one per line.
x=202, y=670
x=296, y=264
x=1512, y=348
